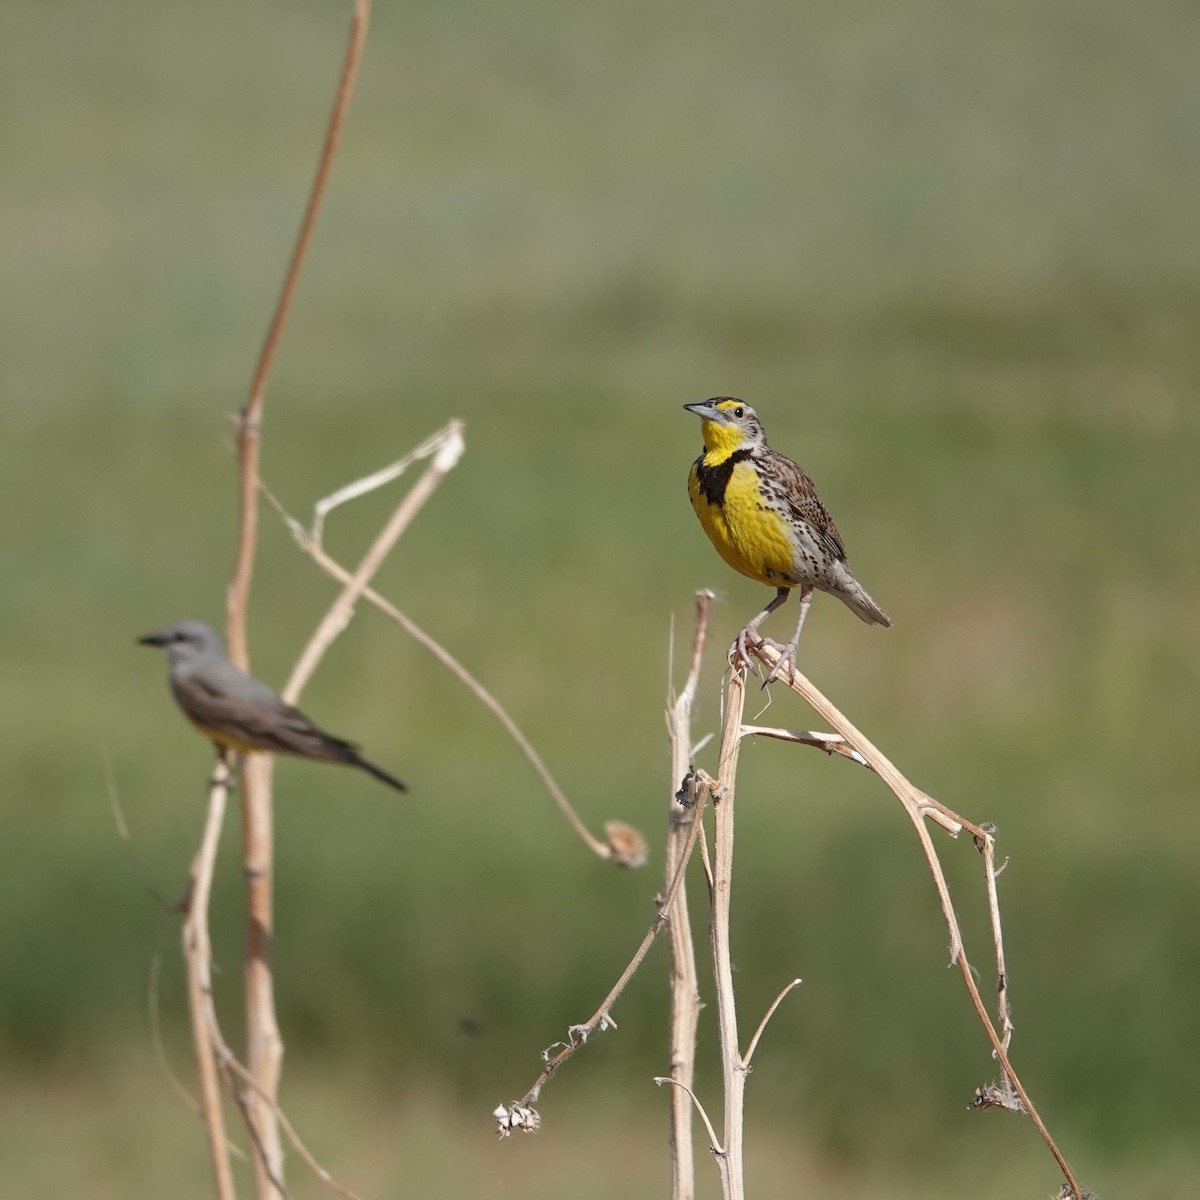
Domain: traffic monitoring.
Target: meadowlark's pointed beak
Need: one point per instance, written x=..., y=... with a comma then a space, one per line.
x=705, y=409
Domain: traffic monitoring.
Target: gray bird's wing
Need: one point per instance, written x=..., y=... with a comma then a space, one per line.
x=235, y=706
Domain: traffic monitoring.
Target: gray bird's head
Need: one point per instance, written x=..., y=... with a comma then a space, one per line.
x=187, y=642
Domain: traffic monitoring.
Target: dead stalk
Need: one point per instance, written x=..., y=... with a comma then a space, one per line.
x=197, y=954
x=264, y=1045
x=762, y=1025
x=448, y=451
x=685, y=992
x=729, y=1155
x=513, y=1115
x=921, y=808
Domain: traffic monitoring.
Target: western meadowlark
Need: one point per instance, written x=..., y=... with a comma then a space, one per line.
x=764, y=516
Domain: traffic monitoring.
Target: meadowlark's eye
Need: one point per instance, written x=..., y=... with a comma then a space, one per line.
x=739, y=412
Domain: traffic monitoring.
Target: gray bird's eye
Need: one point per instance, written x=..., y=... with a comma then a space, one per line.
x=739, y=412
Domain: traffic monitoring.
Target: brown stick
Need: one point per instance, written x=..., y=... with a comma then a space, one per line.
x=197, y=954
x=685, y=992
x=263, y=1042
x=250, y=418
x=729, y=1156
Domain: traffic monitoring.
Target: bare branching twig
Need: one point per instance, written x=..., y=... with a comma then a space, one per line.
x=921, y=808
x=444, y=450
x=235, y=1070
x=714, y=1142
x=622, y=844
x=577, y=1035
x=762, y=1025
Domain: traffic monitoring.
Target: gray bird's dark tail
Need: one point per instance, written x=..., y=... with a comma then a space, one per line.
x=378, y=772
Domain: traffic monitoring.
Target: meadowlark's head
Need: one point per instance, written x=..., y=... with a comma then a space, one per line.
x=729, y=424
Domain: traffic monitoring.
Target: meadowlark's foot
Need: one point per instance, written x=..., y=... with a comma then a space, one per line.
x=739, y=651
x=787, y=654
x=785, y=665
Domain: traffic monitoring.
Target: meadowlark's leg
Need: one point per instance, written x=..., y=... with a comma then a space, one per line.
x=788, y=658
x=739, y=652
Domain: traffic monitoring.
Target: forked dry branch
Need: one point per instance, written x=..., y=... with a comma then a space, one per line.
x=264, y=1047
x=520, y=1114
x=849, y=743
x=622, y=843
x=257, y=1099
x=920, y=808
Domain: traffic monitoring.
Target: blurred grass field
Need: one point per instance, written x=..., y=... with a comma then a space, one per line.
x=949, y=253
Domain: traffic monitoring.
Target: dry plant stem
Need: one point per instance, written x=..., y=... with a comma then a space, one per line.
x=713, y=1140
x=340, y=611
x=601, y=1018
x=160, y=1053
x=788, y=988
x=831, y=743
x=197, y=954
x=232, y=1067
x=332, y=567
x=733, y=1069
x=448, y=440
x=213, y=1052
x=250, y=419
x=919, y=807
x=258, y=973
x=264, y=1045
x=685, y=992
x=987, y=847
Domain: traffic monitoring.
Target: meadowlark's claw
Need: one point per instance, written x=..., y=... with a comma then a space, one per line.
x=739, y=652
x=787, y=658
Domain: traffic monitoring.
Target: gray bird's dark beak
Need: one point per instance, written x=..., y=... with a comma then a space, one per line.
x=152, y=639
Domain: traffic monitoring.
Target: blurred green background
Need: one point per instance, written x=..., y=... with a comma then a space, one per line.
x=951, y=254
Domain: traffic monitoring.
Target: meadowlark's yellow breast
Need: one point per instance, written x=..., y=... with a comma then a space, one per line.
x=750, y=534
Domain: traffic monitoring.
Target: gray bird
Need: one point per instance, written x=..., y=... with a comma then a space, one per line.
x=235, y=710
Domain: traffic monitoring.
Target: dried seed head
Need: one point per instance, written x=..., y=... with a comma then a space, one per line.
x=997, y=1095
x=516, y=1118
x=626, y=846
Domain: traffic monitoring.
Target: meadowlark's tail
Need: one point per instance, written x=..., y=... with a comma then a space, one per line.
x=858, y=600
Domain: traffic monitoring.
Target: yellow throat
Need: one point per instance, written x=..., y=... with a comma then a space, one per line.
x=720, y=440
